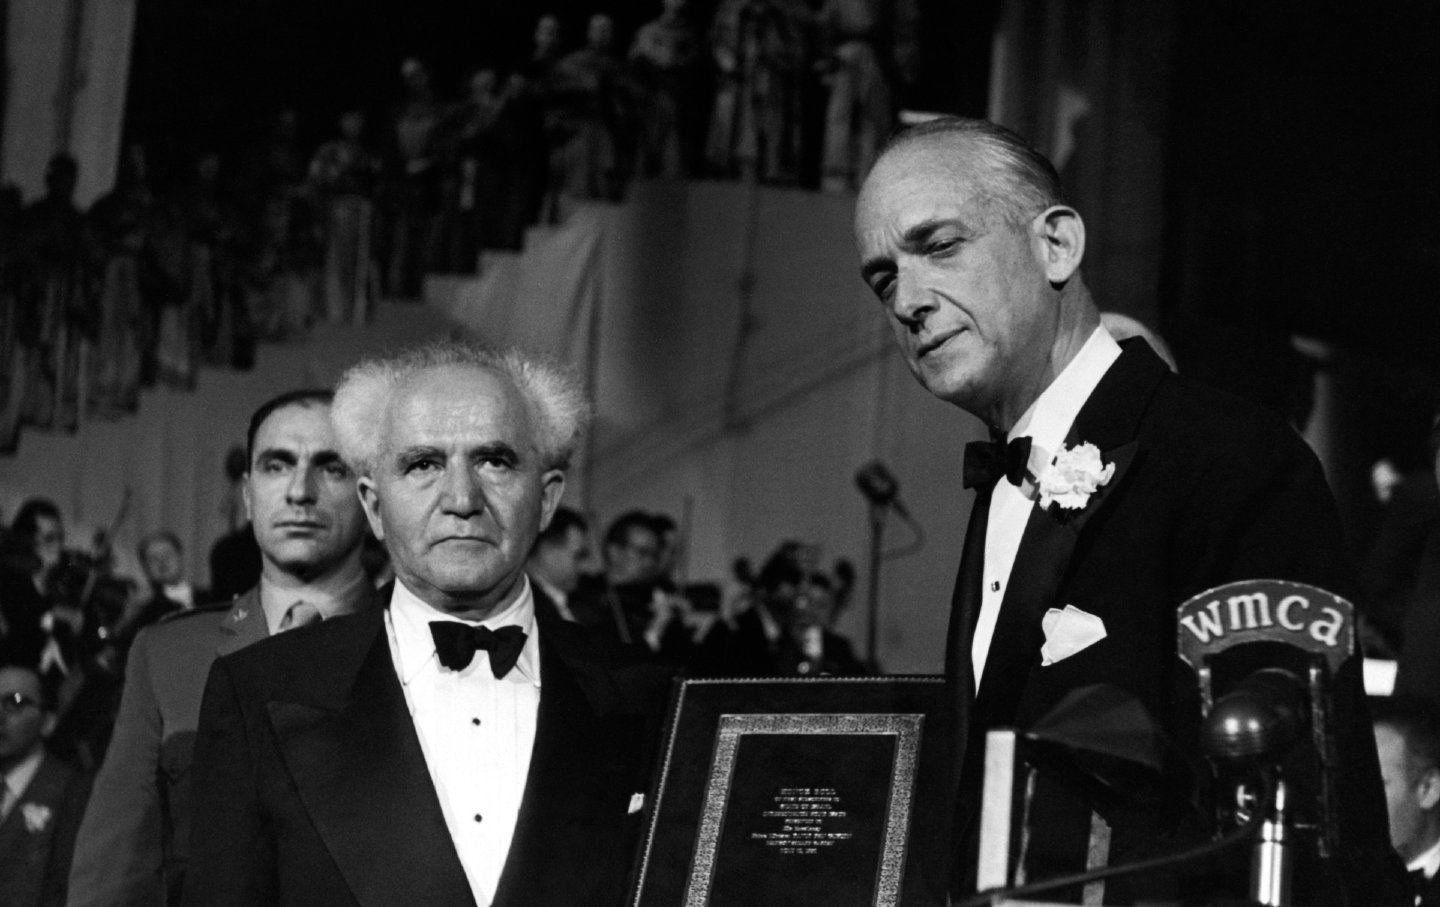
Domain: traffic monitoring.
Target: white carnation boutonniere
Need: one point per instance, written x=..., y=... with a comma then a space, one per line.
x=37, y=817
x=1072, y=477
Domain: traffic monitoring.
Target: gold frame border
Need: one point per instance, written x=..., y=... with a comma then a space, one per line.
x=905, y=728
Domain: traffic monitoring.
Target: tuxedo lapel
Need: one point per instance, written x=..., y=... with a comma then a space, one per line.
x=964, y=612
x=1109, y=419
x=352, y=750
x=579, y=779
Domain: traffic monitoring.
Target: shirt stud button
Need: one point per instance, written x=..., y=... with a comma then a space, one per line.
x=477, y=817
x=475, y=721
x=995, y=586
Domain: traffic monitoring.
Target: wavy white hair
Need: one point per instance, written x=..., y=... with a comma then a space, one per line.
x=553, y=395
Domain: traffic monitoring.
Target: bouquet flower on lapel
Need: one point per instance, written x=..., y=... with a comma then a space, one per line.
x=37, y=817
x=1073, y=476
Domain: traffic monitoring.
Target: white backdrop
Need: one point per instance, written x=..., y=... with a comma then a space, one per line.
x=36, y=41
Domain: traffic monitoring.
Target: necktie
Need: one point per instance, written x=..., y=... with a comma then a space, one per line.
x=457, y=643
x=987, y=461
x=298, y=615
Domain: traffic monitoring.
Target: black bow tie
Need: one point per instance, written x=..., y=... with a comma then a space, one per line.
x=987, y=461
x=457, y=643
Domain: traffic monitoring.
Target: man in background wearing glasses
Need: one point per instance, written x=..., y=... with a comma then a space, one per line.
x=41, y=797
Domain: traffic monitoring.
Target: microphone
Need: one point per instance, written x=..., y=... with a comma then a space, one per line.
x=1265, y=654
x=1261, y=717
x=880, y=487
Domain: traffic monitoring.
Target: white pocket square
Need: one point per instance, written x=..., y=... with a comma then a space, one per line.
x=1068, y=632
x=637, y=803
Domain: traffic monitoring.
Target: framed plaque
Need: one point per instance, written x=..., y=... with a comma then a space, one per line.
x=818, y=790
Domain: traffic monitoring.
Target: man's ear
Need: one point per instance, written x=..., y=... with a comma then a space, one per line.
x=1427, y=791
x=370, y=501
x=552, y=486
x=1060, y=238
x=245, y=496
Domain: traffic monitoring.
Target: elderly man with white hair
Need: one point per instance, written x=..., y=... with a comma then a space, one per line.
x=458, y=746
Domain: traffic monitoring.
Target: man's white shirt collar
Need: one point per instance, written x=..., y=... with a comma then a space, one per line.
x=1049, y=418
x=411, y=619
x=1428, y=862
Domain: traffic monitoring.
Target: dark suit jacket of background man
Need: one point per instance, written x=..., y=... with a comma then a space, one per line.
x=1208, y=489
x=33, y=862
x=311, y=787
x=135, y=839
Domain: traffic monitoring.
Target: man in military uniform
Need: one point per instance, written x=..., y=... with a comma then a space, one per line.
x=300, y=496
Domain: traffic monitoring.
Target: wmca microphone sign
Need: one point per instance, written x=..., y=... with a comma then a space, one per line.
x=1306, y=617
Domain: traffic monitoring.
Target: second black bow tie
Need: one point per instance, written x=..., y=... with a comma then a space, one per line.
x=987, y=461
x=457, y=643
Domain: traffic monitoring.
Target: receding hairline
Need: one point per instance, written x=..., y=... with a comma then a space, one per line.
x=303, y=403
x=306, y=403
x=959, y=159
x=264, y=412
x=998, y=164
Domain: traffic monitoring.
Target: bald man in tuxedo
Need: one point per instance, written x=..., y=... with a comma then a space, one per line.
x=1111, y=490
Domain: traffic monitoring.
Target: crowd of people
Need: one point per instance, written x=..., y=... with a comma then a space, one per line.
x=160, y=277
x=71, y=613
x=145, y=287
x=782, y=622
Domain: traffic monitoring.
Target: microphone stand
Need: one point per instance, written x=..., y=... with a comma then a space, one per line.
x=877, y=533
x=1271, y=861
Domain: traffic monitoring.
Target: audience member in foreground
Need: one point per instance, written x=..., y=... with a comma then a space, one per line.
x=41, y=797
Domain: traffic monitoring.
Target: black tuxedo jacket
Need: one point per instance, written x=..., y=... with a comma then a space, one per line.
x=1207, y=489
x=1427, y=892
x=311, y=787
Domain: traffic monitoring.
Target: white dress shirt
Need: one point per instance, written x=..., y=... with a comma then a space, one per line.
x=1047, y=422
x=476, y=731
